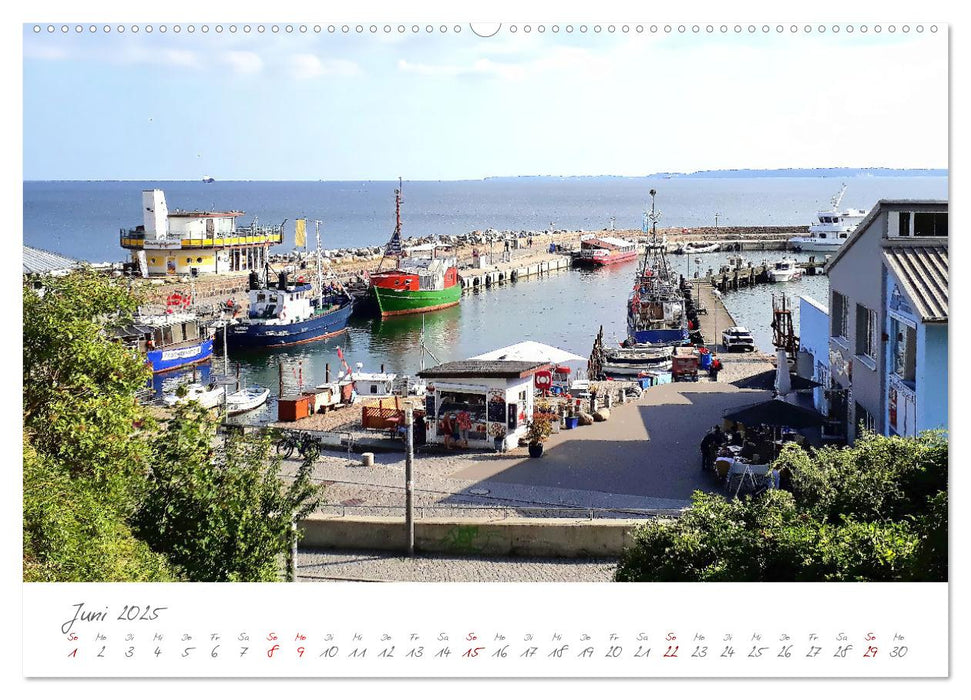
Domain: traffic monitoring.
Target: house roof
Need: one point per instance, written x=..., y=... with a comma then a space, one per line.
x=531, y=351
x=862, y=227
x=43, y=262
x=484, y=369
x=921, y=270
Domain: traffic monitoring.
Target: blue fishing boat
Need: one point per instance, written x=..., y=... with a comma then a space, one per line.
x=288, y=314
x=168, y=342
x=655, y=307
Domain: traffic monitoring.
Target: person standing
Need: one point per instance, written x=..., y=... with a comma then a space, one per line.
x=714, y=369
x=447, y=430
x=464, y=424
x=708, y=451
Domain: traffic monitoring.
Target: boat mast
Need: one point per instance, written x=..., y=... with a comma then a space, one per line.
x=320, y=276
x=393, y=248
x=835, y=201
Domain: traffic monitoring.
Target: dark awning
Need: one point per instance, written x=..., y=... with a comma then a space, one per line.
x=777, y=413
x=766, y=380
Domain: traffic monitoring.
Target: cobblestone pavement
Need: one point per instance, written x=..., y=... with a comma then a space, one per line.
x=322, y=565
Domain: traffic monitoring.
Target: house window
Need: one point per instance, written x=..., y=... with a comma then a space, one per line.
x=926, y=224
x=866, y=330
x=904, y=226
x=839, y=316
x=904, y=350
x=864, y=419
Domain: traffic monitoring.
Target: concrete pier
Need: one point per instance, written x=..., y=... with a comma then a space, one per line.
x=512, y=270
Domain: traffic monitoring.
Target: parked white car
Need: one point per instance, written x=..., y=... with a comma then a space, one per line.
x=737, y=337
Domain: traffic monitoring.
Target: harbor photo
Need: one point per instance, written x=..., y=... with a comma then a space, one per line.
x=534, y=307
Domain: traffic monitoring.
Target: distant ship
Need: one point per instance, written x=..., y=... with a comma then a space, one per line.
x=605, y=250
x=831, y=229
x=415, y=285
x=208, y=178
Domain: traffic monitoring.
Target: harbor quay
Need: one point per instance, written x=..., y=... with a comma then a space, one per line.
x=481, y=258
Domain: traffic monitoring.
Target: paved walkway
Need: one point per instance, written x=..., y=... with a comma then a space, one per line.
x=645, y=457
x=319, y=565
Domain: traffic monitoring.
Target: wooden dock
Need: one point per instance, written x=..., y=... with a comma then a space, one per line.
x=748, y=276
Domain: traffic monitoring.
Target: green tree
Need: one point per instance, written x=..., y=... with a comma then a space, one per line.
x=221, y=514
x=874, y=512
x=84, y=461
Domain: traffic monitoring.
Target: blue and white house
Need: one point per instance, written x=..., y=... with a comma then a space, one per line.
x=916, y=326
x=813, y=359
x=888, y=317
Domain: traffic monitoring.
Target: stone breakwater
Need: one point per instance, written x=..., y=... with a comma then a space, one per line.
x=353, y=265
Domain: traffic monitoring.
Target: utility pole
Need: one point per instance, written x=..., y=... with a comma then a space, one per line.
x=409, y=476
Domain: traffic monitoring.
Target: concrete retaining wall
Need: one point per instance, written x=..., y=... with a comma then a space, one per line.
x=547, y=537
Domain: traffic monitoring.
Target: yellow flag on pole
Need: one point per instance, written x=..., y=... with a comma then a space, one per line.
x=300, y=239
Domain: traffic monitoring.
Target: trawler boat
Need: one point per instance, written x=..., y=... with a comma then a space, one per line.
x=831, y=229
x=288, y=314
x=784, y=270
x=655, y=307
x=416, y=284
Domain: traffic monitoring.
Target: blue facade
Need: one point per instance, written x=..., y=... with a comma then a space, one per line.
x=916, y=366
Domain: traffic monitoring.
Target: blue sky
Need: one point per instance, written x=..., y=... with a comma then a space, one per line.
x=454, y=106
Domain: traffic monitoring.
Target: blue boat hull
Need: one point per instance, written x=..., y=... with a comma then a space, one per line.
x=172, y=358
x=249, y=336
x=662, y=336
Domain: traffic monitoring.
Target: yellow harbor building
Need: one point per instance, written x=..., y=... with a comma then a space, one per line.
x=195, y=242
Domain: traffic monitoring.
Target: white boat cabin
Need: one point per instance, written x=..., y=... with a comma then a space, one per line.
x=374, y=384
x=281, y=306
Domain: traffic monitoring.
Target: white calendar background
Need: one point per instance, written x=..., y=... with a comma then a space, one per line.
x=473, y=630
x=809, y=614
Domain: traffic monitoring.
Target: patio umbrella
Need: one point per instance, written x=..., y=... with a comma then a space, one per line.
x=783, y=384
x=777, y=413
x=766, y=380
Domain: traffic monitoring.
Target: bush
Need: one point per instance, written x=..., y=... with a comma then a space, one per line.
x=874, y=512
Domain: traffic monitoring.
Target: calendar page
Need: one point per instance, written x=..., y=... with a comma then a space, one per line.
x=587, y=343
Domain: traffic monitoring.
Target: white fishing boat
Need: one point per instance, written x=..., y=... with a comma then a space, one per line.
x=636, y=360
x=831, y=229
x=784, y=270
x=246, y=399
x=207, y=396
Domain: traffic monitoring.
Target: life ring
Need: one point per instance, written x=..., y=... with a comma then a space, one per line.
x=543, y=380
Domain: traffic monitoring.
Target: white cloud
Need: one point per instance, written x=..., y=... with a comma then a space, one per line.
x=45, y=53
x=307, y=65
x=481, y=67
x=179, y=57
x=242, y=62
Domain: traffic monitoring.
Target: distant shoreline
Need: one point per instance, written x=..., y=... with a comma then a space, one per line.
x=697, y=175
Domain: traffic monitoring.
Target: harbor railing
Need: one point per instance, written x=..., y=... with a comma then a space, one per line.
x=500, y=512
